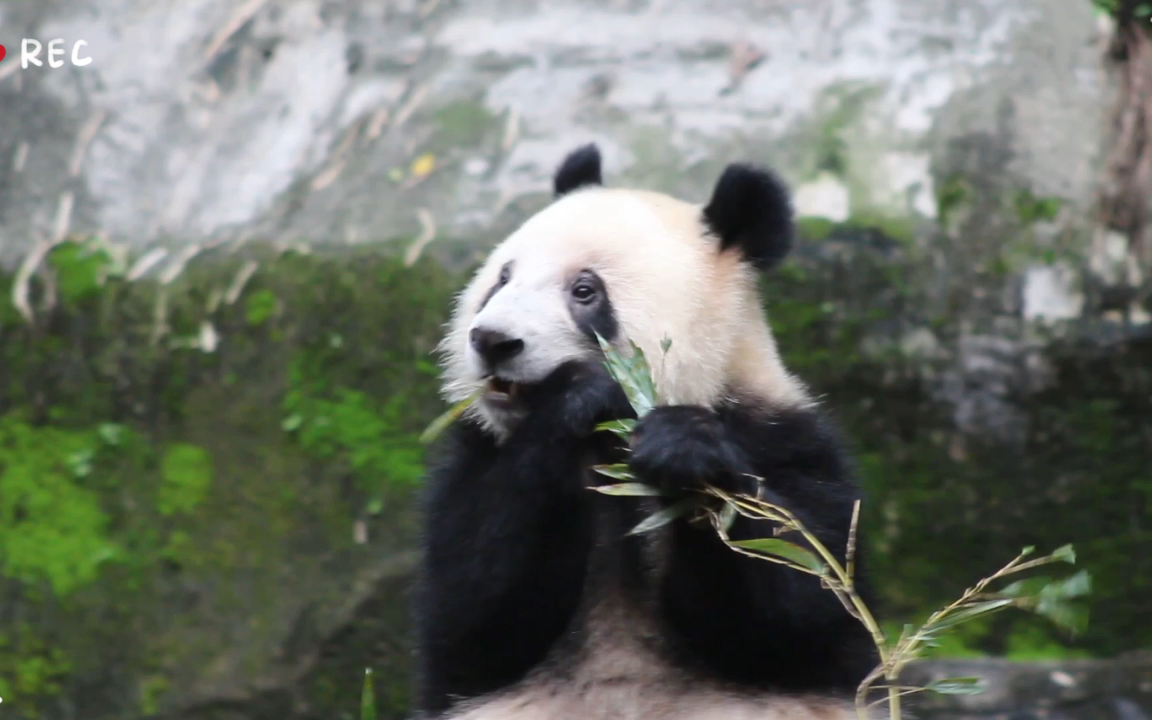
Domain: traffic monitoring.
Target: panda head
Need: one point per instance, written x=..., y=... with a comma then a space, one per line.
x=634, y=267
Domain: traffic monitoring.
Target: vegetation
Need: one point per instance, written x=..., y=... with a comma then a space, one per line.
x=143, y=462
x=164, y=444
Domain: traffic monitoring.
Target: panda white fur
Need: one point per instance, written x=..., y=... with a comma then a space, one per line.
x=531, y=602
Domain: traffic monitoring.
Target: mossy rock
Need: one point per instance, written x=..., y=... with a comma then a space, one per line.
x=200, y=481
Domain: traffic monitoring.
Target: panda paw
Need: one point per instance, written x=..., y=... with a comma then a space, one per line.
x=680, y=448
x=578, y=396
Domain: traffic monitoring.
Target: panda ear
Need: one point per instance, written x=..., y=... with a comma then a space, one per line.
x=751, y=209
x=580, y=168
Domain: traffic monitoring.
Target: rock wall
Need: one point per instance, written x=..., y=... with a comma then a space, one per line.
x=301, y=120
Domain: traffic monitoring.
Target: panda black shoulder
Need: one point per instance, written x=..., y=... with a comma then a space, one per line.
x=806, y=439
x=751, y=210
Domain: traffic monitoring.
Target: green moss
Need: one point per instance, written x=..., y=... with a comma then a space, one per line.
x=1031, y=209
x=185, y=476
x=951, y=196
x=151, y=689
x=894, y=227
x=53, y=527
x=29, y=668
x=891, y=226
x=464, y=123
x=356, y=430
x=815, y=229
x=79, y=267
x=259, y=306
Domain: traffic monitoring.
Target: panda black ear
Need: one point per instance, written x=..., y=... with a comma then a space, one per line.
x=751, y=209
x=580, y=168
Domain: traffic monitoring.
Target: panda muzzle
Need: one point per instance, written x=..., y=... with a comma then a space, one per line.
x=500, y=386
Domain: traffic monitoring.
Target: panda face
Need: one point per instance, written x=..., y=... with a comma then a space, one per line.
x=531, y=322
x=629, y=266
x=634, y=267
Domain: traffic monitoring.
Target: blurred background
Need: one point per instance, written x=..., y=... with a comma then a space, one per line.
x=229, y=242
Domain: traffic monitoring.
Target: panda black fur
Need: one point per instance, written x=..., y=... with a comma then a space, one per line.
x=531, y=602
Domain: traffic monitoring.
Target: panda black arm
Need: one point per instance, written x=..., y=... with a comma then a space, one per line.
x=746, y=619
x=505, y=545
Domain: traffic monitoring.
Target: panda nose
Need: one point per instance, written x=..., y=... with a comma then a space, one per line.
x=494, y=346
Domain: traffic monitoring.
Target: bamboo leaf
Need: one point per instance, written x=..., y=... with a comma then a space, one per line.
x=368, y=697
x=1050, y=598
x=619, y=471
x=967, y=613
x=786, y=550
x=633, y=374
x=662, y=518
x=957, y=686
x=1028, y=588
x=622, y=428
x=440, y=424
x=1066, y=553
x=1073, y=618
x=1074, y=586
x=628, y=490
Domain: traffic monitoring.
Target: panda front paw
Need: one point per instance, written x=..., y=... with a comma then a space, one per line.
x=578, y=396
x=680, y=448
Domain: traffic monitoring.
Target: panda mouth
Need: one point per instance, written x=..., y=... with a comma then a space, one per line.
x=501, y=390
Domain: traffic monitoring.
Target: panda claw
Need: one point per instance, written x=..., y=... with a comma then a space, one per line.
x=682, y=448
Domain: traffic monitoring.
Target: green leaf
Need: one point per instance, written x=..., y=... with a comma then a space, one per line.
x=1066, y=553
x=957, y=686
x=967, y=613
x=786, y=550
x=1028, y=588
x=662, y=518
x=633, y=374
x=628, y=490
x=619, y=471
x=440, y=424
x=1073, y=618
x=368, y=697
x=1049, y=599
x=1078, y=585
x=622, y=428
x=1074, y=586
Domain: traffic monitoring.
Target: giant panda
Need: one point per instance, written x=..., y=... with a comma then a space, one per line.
x=532, y=602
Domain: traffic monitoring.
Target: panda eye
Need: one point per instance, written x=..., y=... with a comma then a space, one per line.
x=583, y=292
